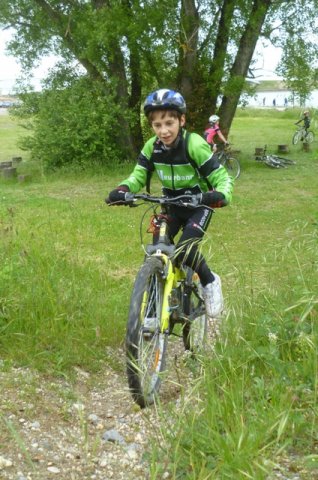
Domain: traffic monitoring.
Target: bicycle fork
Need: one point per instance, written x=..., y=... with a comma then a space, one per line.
x=172, y=278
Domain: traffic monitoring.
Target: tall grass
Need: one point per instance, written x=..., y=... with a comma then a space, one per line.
x=67, y=267
x=254, y=410
x=256, y=400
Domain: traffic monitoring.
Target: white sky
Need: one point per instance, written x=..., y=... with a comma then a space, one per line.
x=10, y=69
x=268, y=58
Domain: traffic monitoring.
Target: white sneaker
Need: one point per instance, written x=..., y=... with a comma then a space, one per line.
x=213, y=297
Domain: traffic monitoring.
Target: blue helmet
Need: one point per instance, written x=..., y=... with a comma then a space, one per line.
x=165, y=99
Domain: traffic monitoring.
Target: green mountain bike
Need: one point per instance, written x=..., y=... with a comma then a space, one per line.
x=164, y=295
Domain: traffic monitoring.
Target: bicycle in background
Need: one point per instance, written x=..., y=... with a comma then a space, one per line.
x=303, y=135
x=274, y=161
x=226, y=159
x=165, y=294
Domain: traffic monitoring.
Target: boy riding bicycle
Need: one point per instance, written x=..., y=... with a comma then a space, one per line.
x=184, y=164
x=306, y=120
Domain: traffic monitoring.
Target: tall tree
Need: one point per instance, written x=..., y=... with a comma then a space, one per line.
x=239, y=69
x=204, y=48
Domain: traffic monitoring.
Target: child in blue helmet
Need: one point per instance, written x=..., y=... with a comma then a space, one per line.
x=182, y=167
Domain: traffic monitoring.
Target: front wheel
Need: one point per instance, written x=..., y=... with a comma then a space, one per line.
x=309, y=138
x=273, y=162
x=145, y=343
x=233, y=167
x=195, y=328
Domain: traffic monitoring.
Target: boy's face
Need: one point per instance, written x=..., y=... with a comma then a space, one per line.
x=166, y=126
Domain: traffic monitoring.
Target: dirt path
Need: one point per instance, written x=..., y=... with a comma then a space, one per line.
x=88, y=430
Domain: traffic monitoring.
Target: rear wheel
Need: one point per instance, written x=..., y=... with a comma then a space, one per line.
x=284, y=160
x=145, y=343
x=296, y=137
x=194, y=330
x=233, y=167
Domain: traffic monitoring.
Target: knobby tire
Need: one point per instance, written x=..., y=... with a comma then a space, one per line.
x=272, y=163
x=232, y=166
x=296, y=138
x=283, y=160
x=146, y=351
x=309, y=137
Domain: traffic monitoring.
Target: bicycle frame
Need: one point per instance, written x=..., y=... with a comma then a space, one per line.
x=172, y=273
x=162, y=248
x=173, y=276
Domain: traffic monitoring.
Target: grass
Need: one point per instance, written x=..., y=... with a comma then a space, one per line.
x=10, y=132
x=67, y=269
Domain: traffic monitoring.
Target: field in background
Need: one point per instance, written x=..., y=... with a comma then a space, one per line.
x=67, y=267
x=10, y=132
x=66, y=273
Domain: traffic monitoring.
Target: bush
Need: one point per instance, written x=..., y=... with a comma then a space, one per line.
x=72, y=126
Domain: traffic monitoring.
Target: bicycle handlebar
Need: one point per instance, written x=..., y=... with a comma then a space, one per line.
x=189, y=201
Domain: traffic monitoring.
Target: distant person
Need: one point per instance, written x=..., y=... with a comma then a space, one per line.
x=285, y=102
x=306, y=120
x=274, y=102
x=264, y=101
x=212, y=131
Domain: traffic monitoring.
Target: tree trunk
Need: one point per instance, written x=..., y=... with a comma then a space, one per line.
x=189, y=31
x=136, y=84
x=220, y=48
x=241, y=64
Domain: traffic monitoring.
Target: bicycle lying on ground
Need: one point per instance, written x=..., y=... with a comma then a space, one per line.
x=164, y=294
x=303, y=135
x=273, y=161
x=226, y=159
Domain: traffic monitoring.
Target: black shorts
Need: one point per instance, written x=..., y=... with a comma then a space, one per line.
x=195, y=221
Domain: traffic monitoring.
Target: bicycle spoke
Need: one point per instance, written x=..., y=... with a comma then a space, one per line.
x=310, y=137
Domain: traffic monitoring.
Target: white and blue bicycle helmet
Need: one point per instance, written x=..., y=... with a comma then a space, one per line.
x=213, y=119
x=165, y=99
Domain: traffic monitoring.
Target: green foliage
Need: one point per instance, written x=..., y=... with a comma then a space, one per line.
x=296, y=68
x=74, y=125
x=169, y=44
x=258, y=389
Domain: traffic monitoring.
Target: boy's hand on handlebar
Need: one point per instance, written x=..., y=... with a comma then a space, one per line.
x=117, y=196
x=213, y=199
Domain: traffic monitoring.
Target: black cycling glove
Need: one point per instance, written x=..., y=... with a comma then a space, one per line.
x=117, y=196
x=214, y=199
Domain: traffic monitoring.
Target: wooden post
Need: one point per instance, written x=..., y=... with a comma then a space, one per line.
x=306, y=147
x=16, y=161
x=9, y=172
x=5, y=165
x=283, y=149
x=258, y=153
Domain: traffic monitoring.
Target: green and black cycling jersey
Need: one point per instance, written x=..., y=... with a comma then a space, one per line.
x=187, y=167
